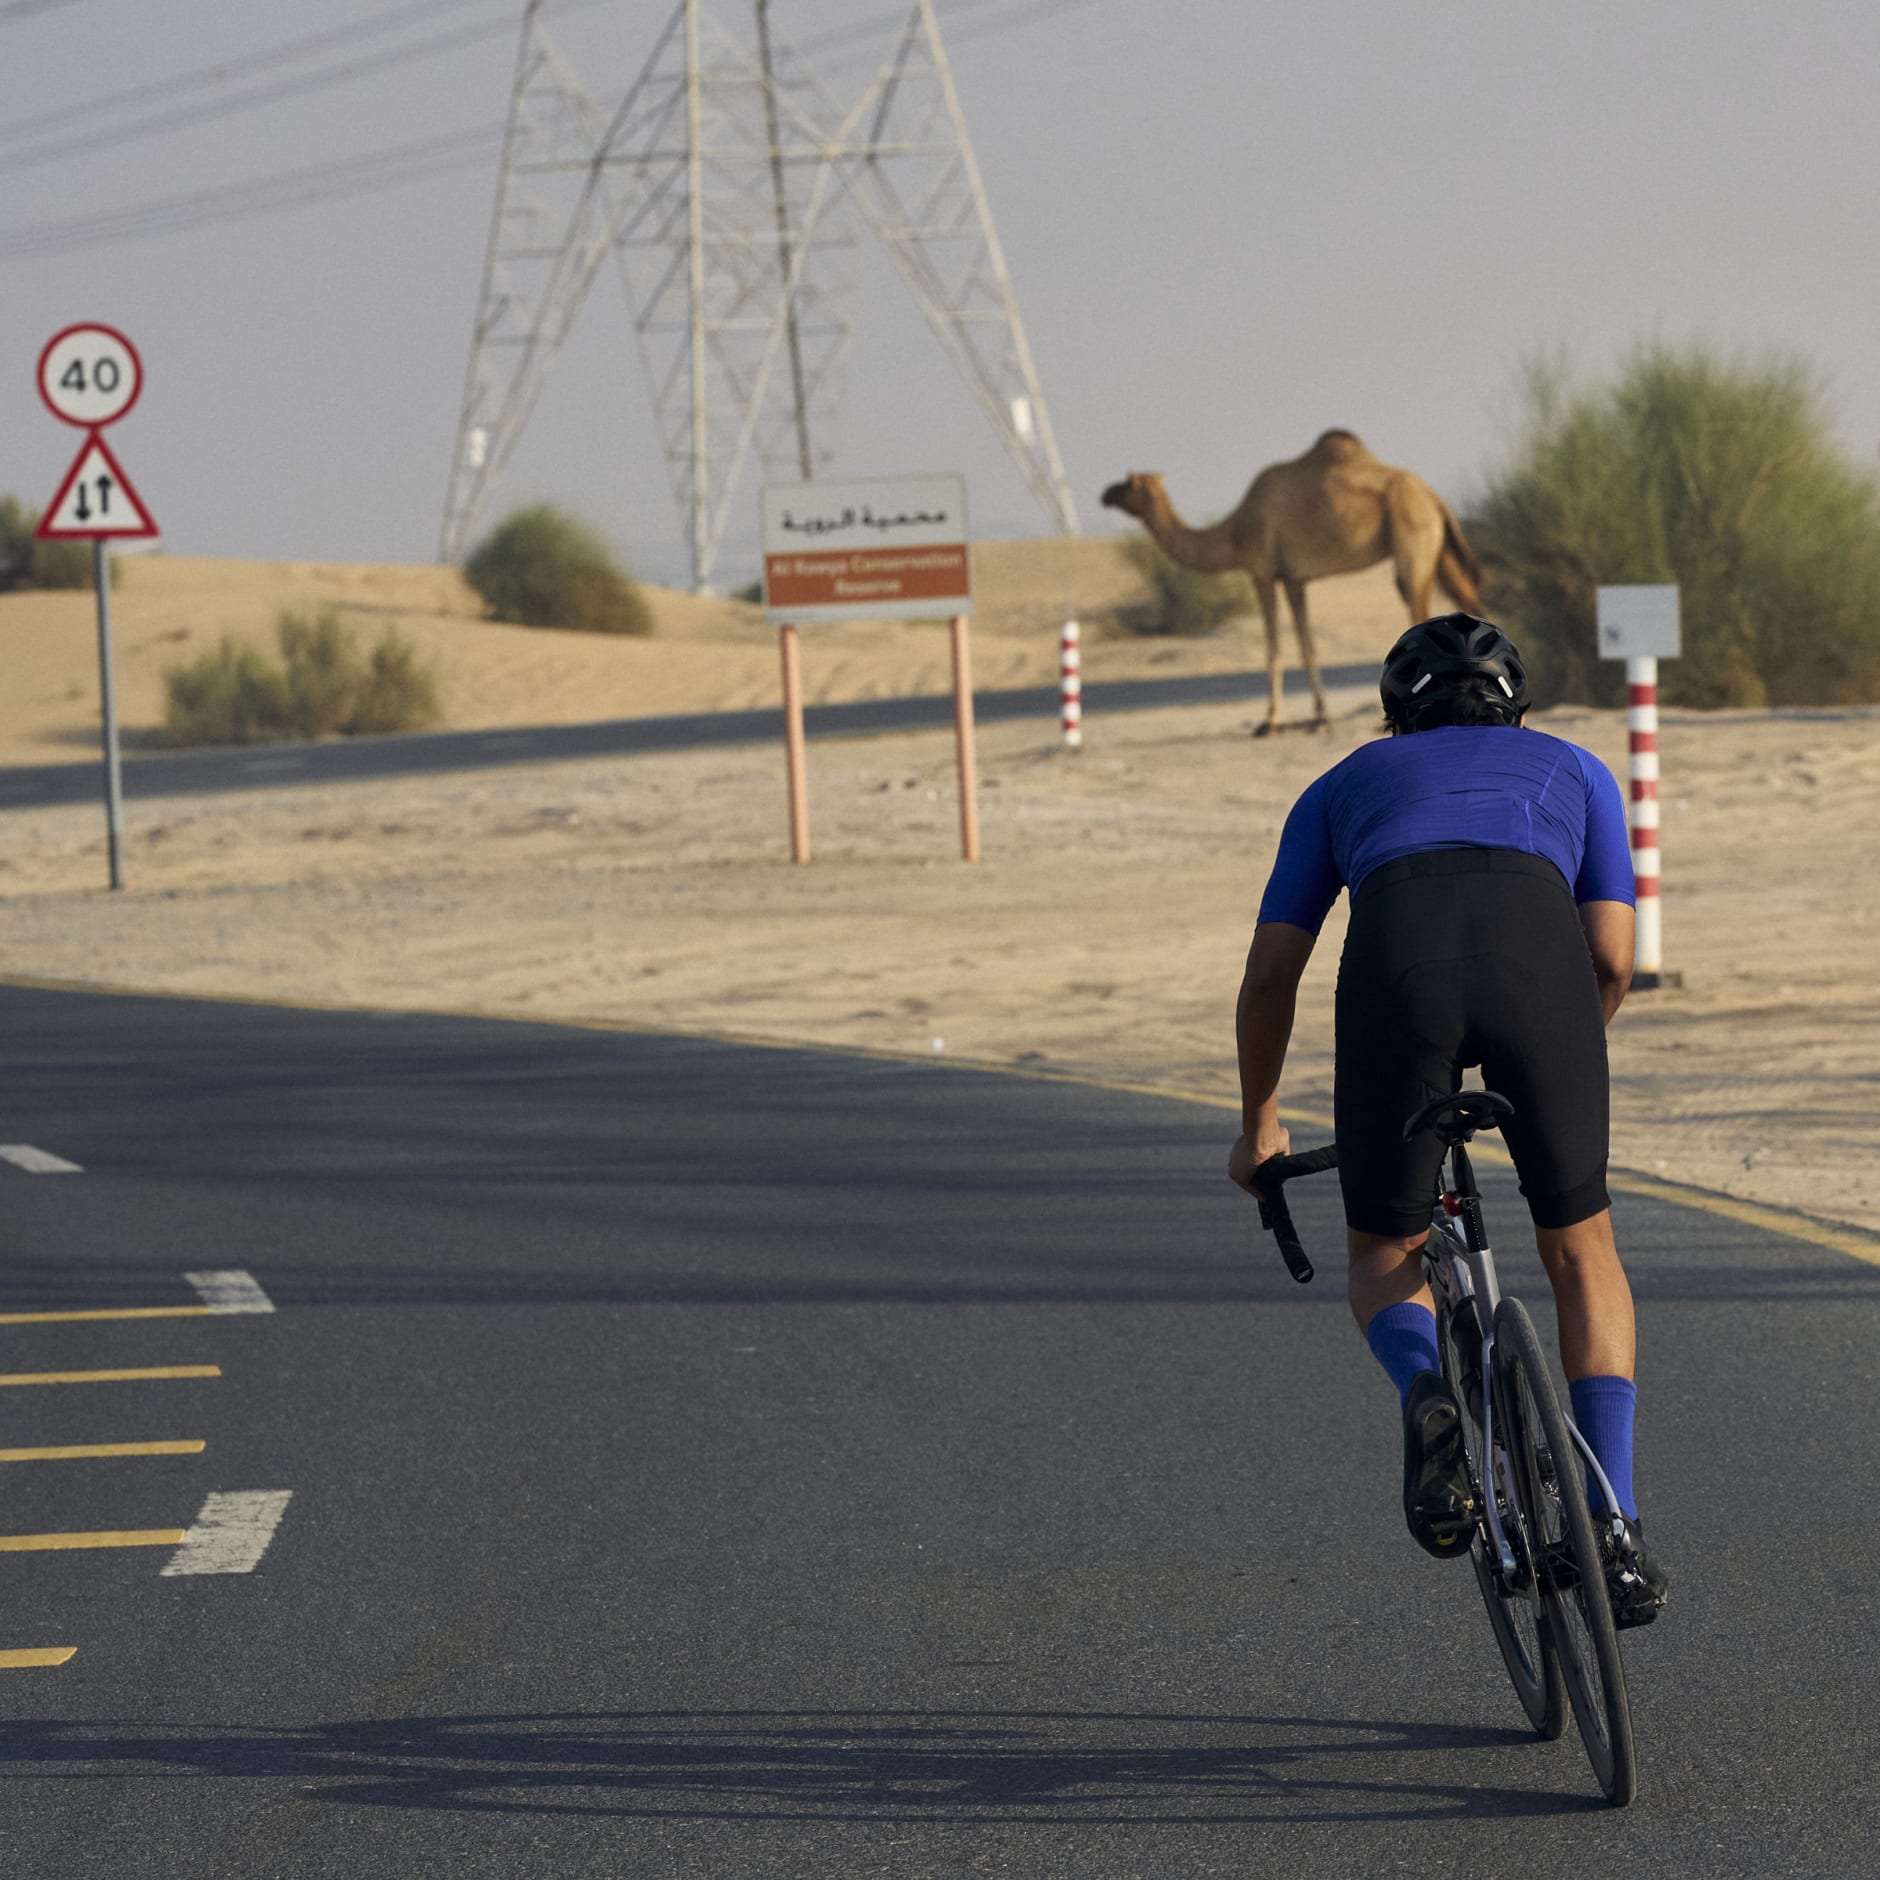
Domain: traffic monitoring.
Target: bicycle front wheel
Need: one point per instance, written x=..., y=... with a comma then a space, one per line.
x=1515, y=1613
x=1550, y=1481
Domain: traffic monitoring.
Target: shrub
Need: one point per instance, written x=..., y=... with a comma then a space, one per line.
x=27, y=562
x=1181, y=603
x=320, y=686
x=542, y=568
x=1719, y=475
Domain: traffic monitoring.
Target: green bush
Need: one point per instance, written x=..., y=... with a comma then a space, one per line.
x=1181, y=603
x=27, y=562
x=1720, y=475
x=319, y=687
x=542, y=568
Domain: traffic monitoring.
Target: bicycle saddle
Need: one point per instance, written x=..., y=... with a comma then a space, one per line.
x=1456, y=1117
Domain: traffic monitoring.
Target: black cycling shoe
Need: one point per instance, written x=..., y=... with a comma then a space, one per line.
x=1635, y=1582
x=1436, y=1499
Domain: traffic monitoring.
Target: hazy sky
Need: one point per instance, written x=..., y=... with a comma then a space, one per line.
x=1230, y=225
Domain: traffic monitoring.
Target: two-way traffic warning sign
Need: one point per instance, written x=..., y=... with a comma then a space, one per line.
x=91, y=376
x=96, y=499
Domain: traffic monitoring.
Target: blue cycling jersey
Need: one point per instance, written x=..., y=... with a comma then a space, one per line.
x=1459, y=787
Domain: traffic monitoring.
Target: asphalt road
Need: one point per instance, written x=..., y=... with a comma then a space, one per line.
x=716, y=1461
x=352, y=760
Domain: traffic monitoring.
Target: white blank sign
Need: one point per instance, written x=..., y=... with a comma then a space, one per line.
x=1639, y=622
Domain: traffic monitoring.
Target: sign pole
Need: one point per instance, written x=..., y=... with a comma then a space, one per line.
x=793, y=761
x=963, y=737
x=1642, y=624
x=113, y=777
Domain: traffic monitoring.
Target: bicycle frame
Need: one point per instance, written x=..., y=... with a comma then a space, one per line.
x=1461, y=1268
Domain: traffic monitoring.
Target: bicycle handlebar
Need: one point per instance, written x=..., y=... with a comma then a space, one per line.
x=1275, y=1216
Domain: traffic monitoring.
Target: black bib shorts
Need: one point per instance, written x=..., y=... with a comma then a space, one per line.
x=1457, y=958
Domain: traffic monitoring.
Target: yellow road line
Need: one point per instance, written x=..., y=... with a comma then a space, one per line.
x=1840, y=1238
x=36, y=1655
x=74, y=1452
x=119, y=1537
x=104, y=1312
x=111, y=1377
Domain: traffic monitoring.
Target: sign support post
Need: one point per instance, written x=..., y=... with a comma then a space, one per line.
x=1640, y=625
x=113, y=775
x=90, y=376
x=795, y=769
x=963, y=738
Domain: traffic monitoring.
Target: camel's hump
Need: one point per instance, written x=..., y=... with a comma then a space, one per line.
x=1338, y=446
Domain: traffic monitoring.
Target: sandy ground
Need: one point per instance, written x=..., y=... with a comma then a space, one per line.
x=1104, y=931
x=703, y=654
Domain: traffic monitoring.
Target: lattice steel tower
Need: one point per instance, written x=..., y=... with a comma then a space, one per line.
x=729, y=193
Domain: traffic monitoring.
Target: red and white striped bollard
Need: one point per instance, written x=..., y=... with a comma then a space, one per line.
x=1071, y=686
x=1641, y=691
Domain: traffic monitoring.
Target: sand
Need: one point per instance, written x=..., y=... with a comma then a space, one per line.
x=703, y=654
x=1102, y=934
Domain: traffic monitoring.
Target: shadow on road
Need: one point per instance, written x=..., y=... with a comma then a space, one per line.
x=1011, y=1767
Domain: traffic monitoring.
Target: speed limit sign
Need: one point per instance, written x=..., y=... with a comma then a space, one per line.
x=90, y=375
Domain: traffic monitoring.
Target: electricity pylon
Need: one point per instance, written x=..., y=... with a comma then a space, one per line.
x=728, y=189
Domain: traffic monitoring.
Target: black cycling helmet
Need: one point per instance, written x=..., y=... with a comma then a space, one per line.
x=1453, y=653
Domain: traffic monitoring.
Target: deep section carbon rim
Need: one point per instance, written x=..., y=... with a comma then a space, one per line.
x=1515, y=1617
x=1551, y=1482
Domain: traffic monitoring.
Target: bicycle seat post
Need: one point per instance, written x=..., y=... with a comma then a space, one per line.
x=1462, y=1173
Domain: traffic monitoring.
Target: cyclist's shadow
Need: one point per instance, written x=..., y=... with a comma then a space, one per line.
x=990, y=1766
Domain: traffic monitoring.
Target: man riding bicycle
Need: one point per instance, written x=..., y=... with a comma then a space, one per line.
x=1491, y=924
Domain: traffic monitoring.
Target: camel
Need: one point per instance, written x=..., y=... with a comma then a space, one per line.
x=1333, y=511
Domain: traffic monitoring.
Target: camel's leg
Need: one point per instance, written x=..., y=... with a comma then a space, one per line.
x=1416, y=542
x=1296, y=600
x=1269, y=617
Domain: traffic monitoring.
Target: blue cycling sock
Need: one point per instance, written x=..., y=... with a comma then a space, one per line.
x=1603, y=1409
x=1403, y=1340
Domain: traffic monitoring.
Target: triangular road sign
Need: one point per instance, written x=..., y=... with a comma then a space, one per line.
x=96, y=499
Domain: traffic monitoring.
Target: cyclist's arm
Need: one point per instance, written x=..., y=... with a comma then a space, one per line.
x=1263, y=1022
x=1304, y=883
x=1608, y=927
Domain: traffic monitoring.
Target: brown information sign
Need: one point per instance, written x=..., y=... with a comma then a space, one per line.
x=891, y=547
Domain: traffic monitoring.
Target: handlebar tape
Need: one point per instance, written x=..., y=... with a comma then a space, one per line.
x=1275, y=1216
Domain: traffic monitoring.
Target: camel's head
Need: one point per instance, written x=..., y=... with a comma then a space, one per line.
x=1135, y=495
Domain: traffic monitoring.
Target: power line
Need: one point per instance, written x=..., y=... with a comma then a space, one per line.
x=374, y=171
x=27, y=9
x=207, y=77
x=85, y=143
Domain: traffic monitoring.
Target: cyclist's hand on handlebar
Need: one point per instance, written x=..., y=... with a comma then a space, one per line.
x=1255, y=1147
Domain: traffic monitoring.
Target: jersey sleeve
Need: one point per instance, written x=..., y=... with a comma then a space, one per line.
x=1305, y=880
x=1606, y=869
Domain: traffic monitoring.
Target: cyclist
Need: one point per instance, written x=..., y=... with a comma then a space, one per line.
x=1491, y=924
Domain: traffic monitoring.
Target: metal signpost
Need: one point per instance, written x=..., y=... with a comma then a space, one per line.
x=891, y=548
x=91, y=376
x=1641, y=626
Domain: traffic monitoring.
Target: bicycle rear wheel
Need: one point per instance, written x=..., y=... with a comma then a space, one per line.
x=1551, y=1481
x=1515, y=1614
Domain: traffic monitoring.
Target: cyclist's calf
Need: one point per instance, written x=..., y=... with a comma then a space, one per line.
x=1592, y=1297
x=1386, y=1270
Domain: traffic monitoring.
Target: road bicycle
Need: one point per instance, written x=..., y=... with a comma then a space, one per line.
x=1536, y=1547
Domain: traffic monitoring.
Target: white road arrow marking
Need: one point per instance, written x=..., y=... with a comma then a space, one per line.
x=37, y=1161
x=231, y=1533
x=230, y=1289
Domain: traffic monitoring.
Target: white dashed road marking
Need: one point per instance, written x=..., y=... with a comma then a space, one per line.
x=37, y=1161
x=231, y=1533
x=230, y=1289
